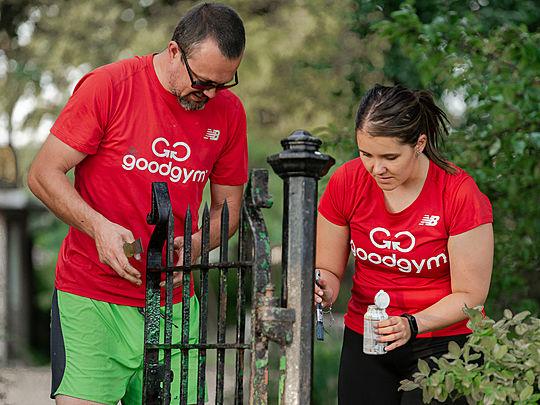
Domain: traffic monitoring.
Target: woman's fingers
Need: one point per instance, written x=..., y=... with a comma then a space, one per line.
x=395, y=331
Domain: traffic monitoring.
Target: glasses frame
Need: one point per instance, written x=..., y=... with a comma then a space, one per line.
x=202, y=85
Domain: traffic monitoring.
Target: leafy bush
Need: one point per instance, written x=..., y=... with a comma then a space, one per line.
x=499, y=363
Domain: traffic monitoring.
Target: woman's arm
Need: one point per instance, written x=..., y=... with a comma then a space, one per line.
x=471, y=263
x=331, y=259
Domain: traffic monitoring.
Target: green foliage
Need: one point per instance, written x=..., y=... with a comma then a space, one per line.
x=326, y=355
x=487, y=57
x=499, y=363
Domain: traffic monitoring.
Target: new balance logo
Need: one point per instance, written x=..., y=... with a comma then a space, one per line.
x=429, y=220
x=212, y=134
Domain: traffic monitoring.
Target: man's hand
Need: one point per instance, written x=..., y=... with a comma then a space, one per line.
x=110, y=239
x=179, y=249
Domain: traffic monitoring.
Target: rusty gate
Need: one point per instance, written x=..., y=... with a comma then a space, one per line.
x=286, y=320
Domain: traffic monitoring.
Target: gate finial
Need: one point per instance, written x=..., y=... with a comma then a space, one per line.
x=301, y=157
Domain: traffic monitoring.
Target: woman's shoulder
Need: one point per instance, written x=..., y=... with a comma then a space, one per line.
x=451, y=181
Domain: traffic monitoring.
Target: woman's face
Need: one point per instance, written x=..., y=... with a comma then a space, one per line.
x=391, y=163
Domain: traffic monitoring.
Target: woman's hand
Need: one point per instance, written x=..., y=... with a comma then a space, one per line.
x=324, y=293
x=394, y=330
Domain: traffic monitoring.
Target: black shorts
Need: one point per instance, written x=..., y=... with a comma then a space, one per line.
x=375, y=379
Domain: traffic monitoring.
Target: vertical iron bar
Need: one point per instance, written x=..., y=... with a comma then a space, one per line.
x=255, y=198
x=240, y=315
x=222, y=306
x=205, y=253
x=160, y=216
x=186, y=290
x=168, y=311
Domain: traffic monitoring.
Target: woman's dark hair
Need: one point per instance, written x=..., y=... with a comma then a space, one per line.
x=211, y=20
x=405, y=114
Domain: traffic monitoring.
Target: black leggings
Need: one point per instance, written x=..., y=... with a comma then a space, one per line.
x=375, y=379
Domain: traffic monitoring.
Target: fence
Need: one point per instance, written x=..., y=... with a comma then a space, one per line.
x=286, y=320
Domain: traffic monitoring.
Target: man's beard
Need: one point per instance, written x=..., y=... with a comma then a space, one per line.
x=189, y=105
x=184, y=101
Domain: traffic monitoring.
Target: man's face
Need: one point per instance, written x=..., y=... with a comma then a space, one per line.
x=206, y=64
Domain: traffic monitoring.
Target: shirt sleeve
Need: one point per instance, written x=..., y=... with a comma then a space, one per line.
x=83, y=120
x=231, y=168
x=331, y=204
x=468, y=208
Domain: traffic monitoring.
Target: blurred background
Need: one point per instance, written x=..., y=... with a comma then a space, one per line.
x=307, y=65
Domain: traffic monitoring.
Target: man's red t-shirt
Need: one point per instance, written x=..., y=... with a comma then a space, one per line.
x=403, y=253
x=135, y=133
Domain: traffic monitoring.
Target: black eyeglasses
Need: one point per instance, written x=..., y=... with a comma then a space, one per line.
x=200, y=85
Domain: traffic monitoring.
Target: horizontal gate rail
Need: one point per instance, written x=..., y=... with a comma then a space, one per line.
x=200, y=346
x=210, y=266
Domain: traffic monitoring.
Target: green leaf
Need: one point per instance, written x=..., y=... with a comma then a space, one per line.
x=449, y=382
x=454, y=349
x=529, y=376
x=423, y=367
x=519, y=146
x=495, y=147
x=499, y=351
x=521, y=316
x=407, y=385
x=526, y=393
x=521, y=329
x=507, y=314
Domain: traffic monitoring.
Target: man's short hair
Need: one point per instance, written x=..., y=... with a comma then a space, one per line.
x=211, y=20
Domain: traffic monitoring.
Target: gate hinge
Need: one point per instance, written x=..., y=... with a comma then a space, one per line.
x=273, y=322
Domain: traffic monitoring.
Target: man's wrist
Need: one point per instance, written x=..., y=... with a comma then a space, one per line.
x=412, y=324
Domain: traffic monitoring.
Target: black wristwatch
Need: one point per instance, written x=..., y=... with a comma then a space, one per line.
x=412, y=324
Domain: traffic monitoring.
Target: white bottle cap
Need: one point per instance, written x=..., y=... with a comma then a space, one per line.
x=382, y=299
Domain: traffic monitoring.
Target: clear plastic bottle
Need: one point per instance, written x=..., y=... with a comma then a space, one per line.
x=375, y=314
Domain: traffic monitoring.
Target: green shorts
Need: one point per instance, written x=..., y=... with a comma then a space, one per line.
x=97, y=350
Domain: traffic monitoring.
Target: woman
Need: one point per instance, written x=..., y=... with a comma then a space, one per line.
x=418, y=228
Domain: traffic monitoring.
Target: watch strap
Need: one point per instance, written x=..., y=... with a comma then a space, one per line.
x=412, y=324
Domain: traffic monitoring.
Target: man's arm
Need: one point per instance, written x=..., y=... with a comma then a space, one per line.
x=47, y=180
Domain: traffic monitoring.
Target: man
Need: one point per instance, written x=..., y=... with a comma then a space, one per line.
x=161, y=117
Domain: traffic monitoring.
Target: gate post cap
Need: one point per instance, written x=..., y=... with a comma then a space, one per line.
x=301, y=157
x=301, y=140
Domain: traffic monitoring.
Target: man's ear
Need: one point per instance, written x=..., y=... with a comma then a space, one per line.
x=173, y=50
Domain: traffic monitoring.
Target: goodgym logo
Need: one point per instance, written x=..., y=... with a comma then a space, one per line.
x=389, y=251
x=177, y=152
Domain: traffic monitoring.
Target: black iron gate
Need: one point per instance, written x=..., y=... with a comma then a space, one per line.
x=287, y=321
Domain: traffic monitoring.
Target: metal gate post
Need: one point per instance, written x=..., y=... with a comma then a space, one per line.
x=300, y=165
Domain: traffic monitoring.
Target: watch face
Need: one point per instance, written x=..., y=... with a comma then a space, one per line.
x=382, y=299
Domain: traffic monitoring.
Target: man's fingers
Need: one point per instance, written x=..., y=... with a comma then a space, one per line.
x=126, y=270
x=178, y=242
x=177, y=279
